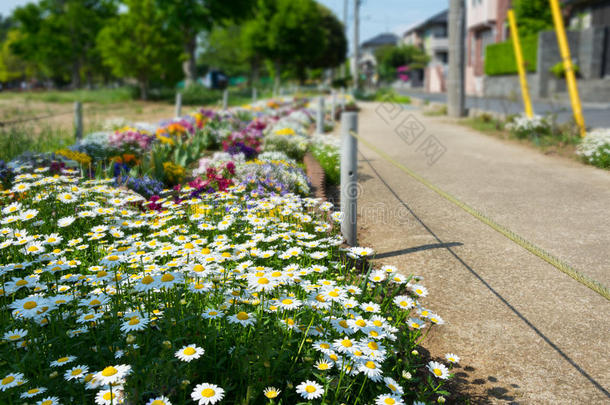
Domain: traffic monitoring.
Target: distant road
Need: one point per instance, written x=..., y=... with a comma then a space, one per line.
x=596, y=115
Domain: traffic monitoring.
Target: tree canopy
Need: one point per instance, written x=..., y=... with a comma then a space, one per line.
x=390, y=57
x=68, y=42
x=532, y=16
x=150, y=50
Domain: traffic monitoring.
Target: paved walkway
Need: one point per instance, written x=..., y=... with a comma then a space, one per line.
x=596, y=114
x=526, y=332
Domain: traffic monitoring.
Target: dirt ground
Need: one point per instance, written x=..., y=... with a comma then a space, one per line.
x=94, y=115
x=526, y=333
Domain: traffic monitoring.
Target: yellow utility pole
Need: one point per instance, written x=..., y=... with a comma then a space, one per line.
x=562, y=40
x=525, y=93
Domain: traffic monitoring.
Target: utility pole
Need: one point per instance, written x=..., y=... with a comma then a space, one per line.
x=455, y=82
x=346, y=34
x=356, y=42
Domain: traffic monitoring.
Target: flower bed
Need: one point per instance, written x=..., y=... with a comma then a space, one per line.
x=595, y=148
x=197, y=295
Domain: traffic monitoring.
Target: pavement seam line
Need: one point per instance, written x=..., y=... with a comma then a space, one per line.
x=560, y=265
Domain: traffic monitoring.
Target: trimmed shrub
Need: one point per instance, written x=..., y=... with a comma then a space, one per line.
x=500, y=57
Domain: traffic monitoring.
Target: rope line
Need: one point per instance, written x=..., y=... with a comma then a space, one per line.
x=541, y=253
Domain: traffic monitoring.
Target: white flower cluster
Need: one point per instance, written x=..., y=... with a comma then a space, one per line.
x=523, y=123
x=595, y=144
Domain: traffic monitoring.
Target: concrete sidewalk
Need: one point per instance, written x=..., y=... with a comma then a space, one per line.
x=526, y=332
x=596, y=114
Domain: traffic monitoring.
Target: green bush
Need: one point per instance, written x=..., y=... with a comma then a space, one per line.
x=500, y=58
x=559, y=71
x=330, y=160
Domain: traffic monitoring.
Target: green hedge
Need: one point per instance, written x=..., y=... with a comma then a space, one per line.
x=500, y=58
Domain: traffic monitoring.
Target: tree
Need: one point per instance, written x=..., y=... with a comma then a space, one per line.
x=533, y=16
x=191, y=17
x=138, y=44
x=12, y=67
x=335, y=49
x=390, y=57
x=224, y=49
x=59, y=36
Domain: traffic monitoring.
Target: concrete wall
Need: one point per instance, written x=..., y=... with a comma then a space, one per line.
x=588, y=51
x=507, y=86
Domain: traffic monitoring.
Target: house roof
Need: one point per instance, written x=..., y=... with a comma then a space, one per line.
x=439, y=18
x=381, y=39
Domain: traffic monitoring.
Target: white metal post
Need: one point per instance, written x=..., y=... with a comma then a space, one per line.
x=349, y=177
x=225, y=99
x=78, y=120
x=333, y=104
x=178, y=104
x=320, y=116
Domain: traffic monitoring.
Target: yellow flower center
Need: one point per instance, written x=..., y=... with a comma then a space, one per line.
x=271, y=394
x=76, y=371
x=62, y=360
x=33, y=391
x=14, y=337
x=325, y=346
x=189, y=245
x=343, y=323
x=167, y=277
x=102, y=273
x=287, y=301
x=198, y=268
x=437, y=371
x=113, y=258
x=109, y=371
x=134, y=321
x=323, y=366
x=189, y=351
x=89, y=316
x=418, y=291
x=389, y=401
x=373, y=345
x=371, y=365
x=8, y=380
x=108, y=396
x=21, y=283
x=157, y=402
x=333, y=293
x=310, y=388
x=361, y=323
x=346, y=343
x=242, y=316
x=147, y=280
x=47, y=402
x=95, y=302
x=212, y=313
x=208, y=393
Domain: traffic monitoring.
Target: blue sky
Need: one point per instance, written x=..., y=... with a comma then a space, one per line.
x=376, y=16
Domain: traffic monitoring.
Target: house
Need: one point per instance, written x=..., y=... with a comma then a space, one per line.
x=485, y=24
x=431, y=36
x=367, y=62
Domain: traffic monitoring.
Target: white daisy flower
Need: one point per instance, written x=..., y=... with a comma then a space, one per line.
x=439, y=370
x=33, y=392
x=188, y=353
x=112, y=374
x=452, y=358
x=205, y=394
x=162, y=400
x=310, y=390
x=76, y=373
